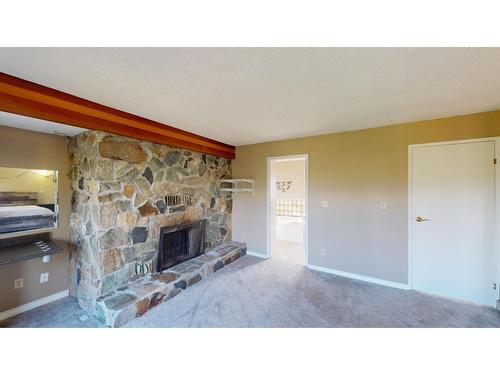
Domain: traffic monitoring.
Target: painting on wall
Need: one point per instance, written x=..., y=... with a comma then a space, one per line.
x=283, y=186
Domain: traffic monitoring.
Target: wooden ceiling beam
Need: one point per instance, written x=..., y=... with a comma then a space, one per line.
x=33, y=100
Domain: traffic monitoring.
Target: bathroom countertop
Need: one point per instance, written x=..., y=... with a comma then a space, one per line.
x=21, y=252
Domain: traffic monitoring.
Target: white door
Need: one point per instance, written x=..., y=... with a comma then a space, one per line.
x=453, y=220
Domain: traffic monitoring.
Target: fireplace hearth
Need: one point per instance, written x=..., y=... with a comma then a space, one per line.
x=179, y=243
x=127, y=303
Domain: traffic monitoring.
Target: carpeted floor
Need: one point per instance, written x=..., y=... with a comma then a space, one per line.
x=271, y=293
x=63, y=313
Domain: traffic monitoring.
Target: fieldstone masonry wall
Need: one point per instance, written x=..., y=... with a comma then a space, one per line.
x=124, y=191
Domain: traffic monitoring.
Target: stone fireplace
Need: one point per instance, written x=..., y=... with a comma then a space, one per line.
x=126, y=193
x=179, y=243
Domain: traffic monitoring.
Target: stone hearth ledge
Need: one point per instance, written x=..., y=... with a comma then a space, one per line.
x=125, y=304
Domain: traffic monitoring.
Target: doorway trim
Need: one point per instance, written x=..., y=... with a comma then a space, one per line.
x=269, y=160
x=496, y=218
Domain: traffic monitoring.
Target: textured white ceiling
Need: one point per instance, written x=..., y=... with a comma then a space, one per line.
x=34, y=124
x=251, y=95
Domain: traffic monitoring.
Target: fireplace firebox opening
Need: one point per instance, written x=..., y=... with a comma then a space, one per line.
x=179, y=243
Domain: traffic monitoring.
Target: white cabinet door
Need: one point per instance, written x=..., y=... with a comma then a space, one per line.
x=280, y=231
x=295, y=232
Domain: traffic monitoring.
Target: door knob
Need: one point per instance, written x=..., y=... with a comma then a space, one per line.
x=420, y=219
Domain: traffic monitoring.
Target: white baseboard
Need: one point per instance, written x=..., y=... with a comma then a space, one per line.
x=355, y=276
x=33, y=304
x=259, y=255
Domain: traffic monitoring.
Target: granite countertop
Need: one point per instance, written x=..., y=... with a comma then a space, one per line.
x=38, y=249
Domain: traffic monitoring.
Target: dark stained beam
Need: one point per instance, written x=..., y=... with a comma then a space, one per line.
x=33, y=100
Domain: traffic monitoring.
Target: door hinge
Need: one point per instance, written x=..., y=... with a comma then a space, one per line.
x=495, y=286
x=495, y=161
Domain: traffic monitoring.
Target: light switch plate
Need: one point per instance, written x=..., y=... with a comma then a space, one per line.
x=18, y=283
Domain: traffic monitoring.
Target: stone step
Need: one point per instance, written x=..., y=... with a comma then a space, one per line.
x=127, y=303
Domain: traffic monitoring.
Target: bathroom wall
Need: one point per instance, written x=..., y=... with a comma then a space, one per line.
x=291, y=170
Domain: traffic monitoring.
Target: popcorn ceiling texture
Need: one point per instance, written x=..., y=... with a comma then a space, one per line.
x=124, y=191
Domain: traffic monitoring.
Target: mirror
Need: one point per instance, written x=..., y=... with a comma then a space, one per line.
x=28, y=199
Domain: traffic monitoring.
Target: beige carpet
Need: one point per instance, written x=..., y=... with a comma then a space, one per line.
x=270, y=293
x=255, y=293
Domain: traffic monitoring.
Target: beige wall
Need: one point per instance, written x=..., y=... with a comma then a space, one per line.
x=291, y=170
x=30, y=150
x=25, y=181
x=354, y=171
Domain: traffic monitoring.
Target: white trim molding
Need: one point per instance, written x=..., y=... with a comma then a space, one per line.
x=258, y=255
x=355, y=276
x=33, y=304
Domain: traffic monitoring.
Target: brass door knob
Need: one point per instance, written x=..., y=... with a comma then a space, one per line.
x=420, y=219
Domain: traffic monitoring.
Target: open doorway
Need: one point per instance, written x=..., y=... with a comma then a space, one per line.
x=287, y=208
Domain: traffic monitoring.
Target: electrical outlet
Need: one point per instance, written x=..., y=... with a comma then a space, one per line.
x=44, y=277
x=324, y=204
x=18, y=283
x=323, y=251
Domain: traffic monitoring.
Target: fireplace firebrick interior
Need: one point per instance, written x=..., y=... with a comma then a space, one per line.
x=179, y=243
